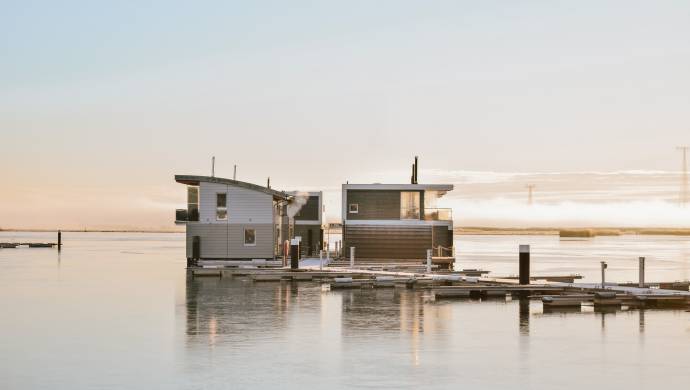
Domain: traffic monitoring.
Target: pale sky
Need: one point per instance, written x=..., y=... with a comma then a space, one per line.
x=101, y=103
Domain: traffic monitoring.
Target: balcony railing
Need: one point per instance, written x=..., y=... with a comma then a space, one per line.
x=434, y=214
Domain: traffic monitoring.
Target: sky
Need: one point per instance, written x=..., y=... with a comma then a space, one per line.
x=101, y=103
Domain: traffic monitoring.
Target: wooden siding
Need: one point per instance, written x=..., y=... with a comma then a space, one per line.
x=310, y=211
x=387, y=241
x=244, y=205
x=226, y=241
x=443, y=235
x=316, y=237
x=374, y=204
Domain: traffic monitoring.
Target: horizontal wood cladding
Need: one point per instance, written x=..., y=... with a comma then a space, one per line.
x=310, y=210
x=387, y=242
x=443, y=236
x=374, y=204
x=226, y=241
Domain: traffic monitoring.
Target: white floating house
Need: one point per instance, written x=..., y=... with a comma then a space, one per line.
x=233, y=220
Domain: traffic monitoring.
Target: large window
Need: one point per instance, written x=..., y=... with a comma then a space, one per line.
x=249, y=237
x=409, y=205
x=221, y=206
x=192, y=203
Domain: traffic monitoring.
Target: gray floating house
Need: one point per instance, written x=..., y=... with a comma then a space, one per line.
x=397, y=221
x=233, y=220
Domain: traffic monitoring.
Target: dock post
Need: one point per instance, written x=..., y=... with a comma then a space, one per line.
x=294, y=255
x=321, y=260
x=59, y=240
x=428, y=261
x=603, y=274
x=524, y=264
x=641, y=282
x=352, y=257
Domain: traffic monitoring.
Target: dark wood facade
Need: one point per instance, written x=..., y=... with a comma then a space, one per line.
x=378, y=204
x=310, y=211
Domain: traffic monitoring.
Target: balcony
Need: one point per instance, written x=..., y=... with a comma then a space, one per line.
x=184, y=215
x=434, y=214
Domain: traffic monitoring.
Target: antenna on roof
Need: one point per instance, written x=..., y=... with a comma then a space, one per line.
x=268, y=182
x=413, y=179
x=213, y=166
x=234, y=173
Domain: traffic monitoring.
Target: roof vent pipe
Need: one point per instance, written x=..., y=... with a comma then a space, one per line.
x=213, y=166
x=234, y=172
x=416, y=168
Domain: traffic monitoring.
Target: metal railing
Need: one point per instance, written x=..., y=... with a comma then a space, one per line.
x=436, y=214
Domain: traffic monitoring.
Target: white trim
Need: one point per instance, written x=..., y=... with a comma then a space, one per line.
x=398, y=222
x=404, y=187
x=308, y=222
x=349, y=208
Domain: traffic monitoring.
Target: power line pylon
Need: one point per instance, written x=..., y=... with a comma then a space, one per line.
x=530, y=189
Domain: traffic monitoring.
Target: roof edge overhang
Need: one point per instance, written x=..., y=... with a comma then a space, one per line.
x=409, y=187
x=194, y=180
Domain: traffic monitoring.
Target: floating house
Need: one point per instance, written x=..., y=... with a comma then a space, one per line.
x=397, y=221
x=308, y=221
x=233, y=220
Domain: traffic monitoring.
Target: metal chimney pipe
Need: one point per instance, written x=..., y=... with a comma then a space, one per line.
x=213, y=166
x=416, y=168
x=234, y=172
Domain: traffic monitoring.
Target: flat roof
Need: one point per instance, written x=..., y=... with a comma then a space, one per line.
x=194, y=180
x=404, y=187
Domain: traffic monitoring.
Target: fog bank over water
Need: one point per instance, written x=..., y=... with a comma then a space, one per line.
x=635, y=198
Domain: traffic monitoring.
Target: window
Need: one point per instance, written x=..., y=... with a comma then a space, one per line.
x=192, y=203
x=409, y=205
x=221, y=206
x=354, y=208
x=249, y=237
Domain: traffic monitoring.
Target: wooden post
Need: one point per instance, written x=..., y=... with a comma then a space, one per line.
x=603, y=274
x=321, y=260
x=59, y=240
x=352, y=257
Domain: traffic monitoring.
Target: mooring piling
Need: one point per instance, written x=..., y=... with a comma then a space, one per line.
x=352, y=257
x=603, y=274
x=524, y=264
x=59, y=240
x=641, y=281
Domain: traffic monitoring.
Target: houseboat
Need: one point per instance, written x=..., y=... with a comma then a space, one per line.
x=397, y=222
x=231, y=222
x=308, y=221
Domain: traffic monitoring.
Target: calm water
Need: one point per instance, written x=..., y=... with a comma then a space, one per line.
x=117, y=311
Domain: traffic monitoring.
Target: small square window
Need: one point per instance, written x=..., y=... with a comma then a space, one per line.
x=249, y=237
x=354, y=208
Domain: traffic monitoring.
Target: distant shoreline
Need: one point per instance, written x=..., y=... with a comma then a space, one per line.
x=463, y=230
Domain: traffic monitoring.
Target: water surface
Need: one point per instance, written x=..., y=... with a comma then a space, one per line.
x=117, y=311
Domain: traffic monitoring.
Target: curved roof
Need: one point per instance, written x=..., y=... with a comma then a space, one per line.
x=194, y=180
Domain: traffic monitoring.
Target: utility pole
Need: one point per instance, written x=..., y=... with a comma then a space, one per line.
x=530, y=189
x=684, y=180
